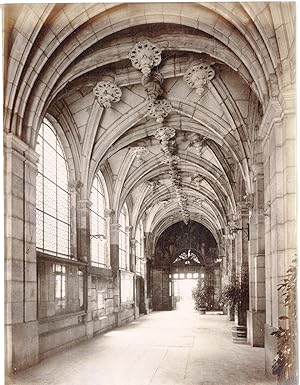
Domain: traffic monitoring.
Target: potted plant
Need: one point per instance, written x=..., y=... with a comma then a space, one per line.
x=285, y=362
x=236, y=291
x=202, y=296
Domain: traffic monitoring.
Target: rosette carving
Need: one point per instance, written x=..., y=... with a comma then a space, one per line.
x=144, y=56
x=159, y=109
x=107, y=93
x=198, y=76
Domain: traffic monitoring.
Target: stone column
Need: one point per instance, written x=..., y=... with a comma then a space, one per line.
x=278, y=135
x=20, y=264
x=84, y=242
x=239, y=330
x=257, y=314
x=133, y=269
x=114, y=260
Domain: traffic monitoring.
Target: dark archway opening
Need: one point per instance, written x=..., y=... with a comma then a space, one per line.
x=184, y=252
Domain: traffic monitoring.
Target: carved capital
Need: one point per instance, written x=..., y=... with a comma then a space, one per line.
x=159, y=109
x=75, y=185
x=115, y=227
x=249, y=201
x=144, y=56
x=198, y=76
x=133, y=243
x=109, y=213
x=107, y=93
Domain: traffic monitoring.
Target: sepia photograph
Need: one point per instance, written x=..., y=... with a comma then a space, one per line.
x=149, y=189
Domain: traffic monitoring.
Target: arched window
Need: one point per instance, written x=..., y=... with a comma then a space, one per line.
x=98, y=224
x=124, y=239
x=140, y=266
x=52, y=195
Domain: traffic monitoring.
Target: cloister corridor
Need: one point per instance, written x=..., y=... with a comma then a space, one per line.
x=177, y=347
x=149, y=149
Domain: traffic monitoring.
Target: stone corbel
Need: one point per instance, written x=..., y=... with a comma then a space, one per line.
x=144, y=56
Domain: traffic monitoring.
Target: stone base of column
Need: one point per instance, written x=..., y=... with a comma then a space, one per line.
x=136, y=312
x=239, y=334
x=270, y=350
x=22, y=346
x=255, y=327
x=89, y=325
x=230, y=313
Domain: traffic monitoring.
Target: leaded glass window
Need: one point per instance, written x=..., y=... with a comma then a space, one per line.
x=123, y=239
x=140, y=266
x=98, y=225
x=52, y=195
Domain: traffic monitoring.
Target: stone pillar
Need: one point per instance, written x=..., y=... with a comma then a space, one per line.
x=217, y=285
x=257, y=314
x=114, y=260
x=232, y=273
x=278, y=135
x=84, y=242
x=133, y=269
x=239, y=330
x=20, y=264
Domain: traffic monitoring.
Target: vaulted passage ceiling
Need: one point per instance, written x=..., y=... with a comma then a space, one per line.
x=187, y=88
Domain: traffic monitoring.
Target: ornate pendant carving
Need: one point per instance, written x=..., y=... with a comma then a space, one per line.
x=198, y=76
x=107, y=93
x=159, y=109
x=144, y=56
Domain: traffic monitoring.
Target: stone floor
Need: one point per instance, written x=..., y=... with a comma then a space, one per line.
x=163, y=348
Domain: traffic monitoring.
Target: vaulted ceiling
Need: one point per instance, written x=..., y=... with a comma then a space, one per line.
x=196, y=163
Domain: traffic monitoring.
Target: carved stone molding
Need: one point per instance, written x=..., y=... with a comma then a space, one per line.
x=144, y=56
x=198, y=76
x=159, y=109
x=107, y=93
x=153, y=85
x=139, y=153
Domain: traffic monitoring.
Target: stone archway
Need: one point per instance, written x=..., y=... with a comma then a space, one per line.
x=182, y=252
